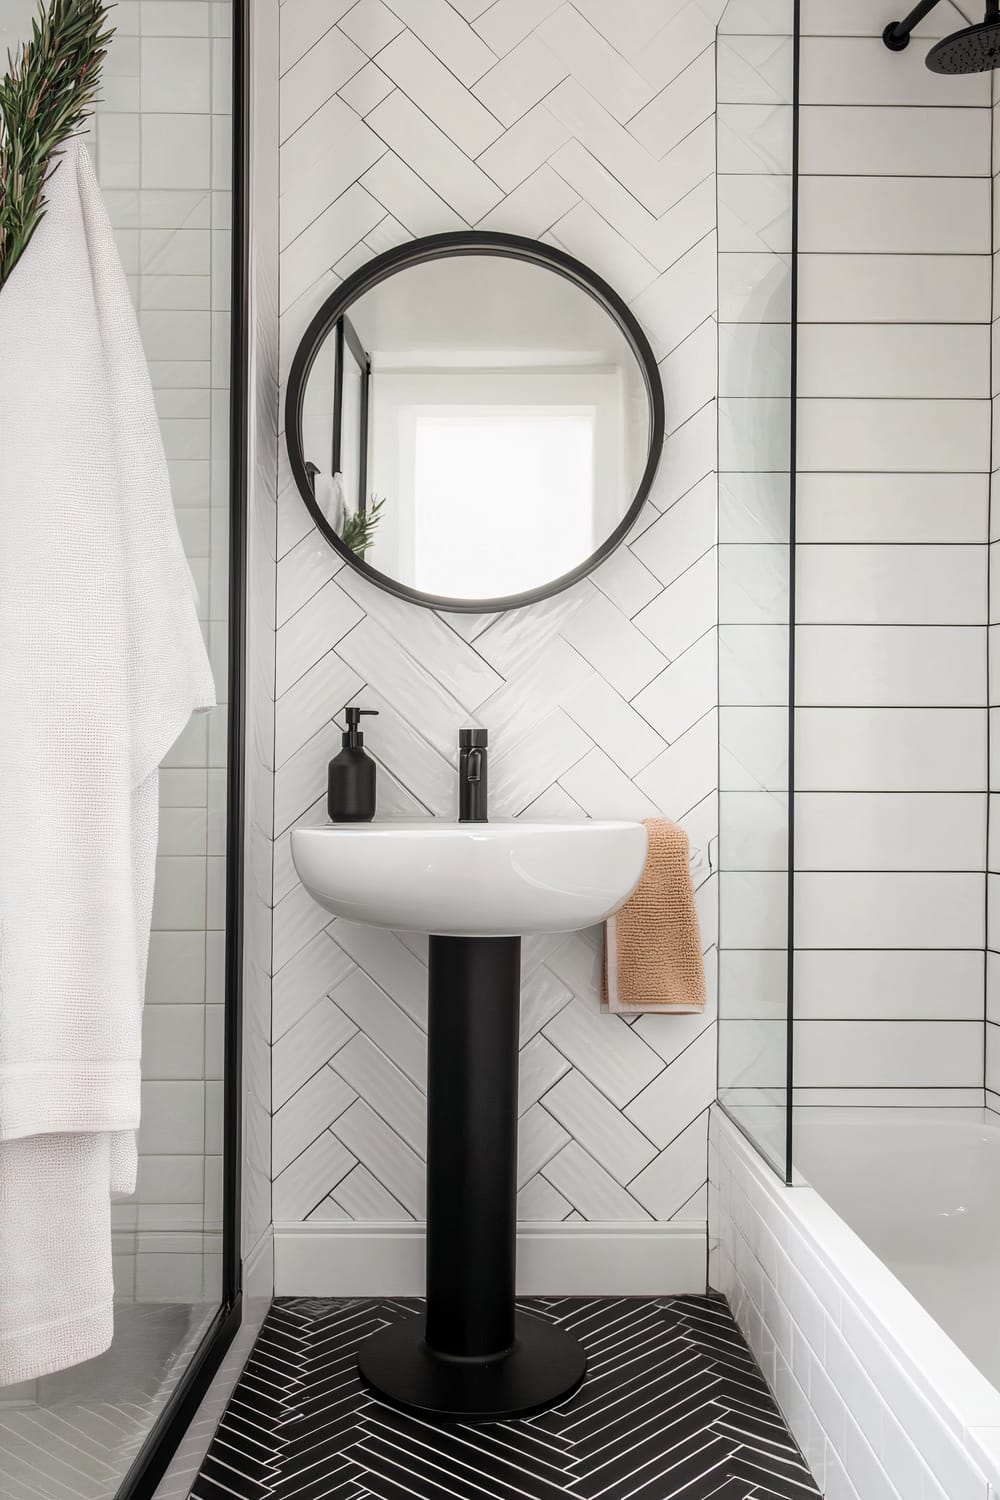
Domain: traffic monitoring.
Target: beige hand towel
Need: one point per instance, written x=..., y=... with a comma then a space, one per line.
x=652, y=945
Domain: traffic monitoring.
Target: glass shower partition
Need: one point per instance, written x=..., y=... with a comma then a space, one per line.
x=756, y=60
x=162, y=142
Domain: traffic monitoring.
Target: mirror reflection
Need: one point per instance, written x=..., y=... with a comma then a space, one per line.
x=475, y=426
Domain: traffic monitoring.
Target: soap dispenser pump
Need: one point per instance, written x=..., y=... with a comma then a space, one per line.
x=351, y=779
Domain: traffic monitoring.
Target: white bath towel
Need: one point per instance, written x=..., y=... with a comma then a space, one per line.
x=101, y=665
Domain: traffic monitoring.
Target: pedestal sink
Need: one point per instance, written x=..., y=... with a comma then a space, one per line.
x=476, y=888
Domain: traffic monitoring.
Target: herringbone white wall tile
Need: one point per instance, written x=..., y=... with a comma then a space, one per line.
x=309, y=703
x=371, y=25
x=435, y=90
x=590, y=1118
x=676, y=1174
x=296, y=919
x=302, y=572
x=329, y=237
x=530, y=143
x=527, y=73
x=384, y=1023
x=426, y=638
x=603, y=790
x=366, y=89
x=303, y=22
x=539, y=1201
x=303, y=1049
x=370, y=1073
x=686, y=771
x=304, y=1117
x=539, y=1138
x=665, y=1107
x=306, y=1181
x=408, y=198
x=329, y=63
x=583, y=1181
x=684, y=692
x=534, y=206
x=524, y=768
x=390, y=963
x=507, y=22
x=315, y=970
x=613, y=724
x=311, y=631
x=541, y=1067
x=580, y=1032
x=362, y=1196
x=386, y=1155
x=594, y=63
x=590, y=125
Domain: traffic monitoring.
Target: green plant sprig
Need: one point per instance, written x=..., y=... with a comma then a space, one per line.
x=358, y=531
x=50, y=88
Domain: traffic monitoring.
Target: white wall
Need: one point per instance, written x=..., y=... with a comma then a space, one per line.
x=592, y=128
x=894, y=460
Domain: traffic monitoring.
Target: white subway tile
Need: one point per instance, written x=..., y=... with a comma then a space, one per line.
x=890, y=749
x=902, y=665
x=902, y=142
x=896, y=910
x=849, y=70
x=890, y=831
x=862, y=359
x=884, y=214
x=844, y=288
x=892, y=508
x=891, y=585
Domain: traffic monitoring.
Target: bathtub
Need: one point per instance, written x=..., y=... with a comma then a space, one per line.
x=870, y=1293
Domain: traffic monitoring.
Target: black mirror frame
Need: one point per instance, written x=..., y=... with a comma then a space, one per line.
x=438, y=247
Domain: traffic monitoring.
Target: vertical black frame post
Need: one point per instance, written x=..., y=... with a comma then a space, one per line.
x=154, y=1456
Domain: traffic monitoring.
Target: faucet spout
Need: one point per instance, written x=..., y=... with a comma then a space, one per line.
x=472, y=778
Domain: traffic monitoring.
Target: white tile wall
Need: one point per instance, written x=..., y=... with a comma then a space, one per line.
x=169, y=204
x=891, y=600
x=591, y=127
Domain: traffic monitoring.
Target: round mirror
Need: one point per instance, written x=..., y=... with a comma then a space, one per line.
x=474, y=420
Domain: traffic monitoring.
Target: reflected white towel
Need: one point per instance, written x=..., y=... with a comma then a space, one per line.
x=101, y=665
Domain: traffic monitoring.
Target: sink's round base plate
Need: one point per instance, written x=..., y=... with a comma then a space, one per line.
x=544, y=1367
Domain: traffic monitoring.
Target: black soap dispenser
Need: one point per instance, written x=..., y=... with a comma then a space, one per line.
x=351, y=780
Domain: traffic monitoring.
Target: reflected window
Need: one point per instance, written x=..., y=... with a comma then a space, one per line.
x=493, y=483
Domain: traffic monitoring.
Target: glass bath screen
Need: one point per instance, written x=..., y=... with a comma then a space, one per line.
x=162, y=146
x=755, y=121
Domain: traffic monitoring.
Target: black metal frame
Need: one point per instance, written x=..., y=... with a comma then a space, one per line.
x=438, y=247
x=897, y=34
x=347, y=339
x=153, y=1458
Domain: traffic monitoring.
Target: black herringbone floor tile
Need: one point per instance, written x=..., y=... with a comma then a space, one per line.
x=673, y=1406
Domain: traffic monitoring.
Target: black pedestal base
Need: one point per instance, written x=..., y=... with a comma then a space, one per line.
x=544, y=1366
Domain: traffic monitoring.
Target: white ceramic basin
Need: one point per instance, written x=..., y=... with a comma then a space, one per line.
x=503, y=879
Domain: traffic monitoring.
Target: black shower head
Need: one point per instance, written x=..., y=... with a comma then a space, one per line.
x=974, y=49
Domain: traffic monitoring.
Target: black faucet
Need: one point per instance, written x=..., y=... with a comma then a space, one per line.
x=472, y=755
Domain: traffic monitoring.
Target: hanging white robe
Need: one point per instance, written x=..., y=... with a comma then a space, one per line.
x=102, y=663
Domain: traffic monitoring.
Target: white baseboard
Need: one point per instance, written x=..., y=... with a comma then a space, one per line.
x=258, y=1269
x=575, y=1259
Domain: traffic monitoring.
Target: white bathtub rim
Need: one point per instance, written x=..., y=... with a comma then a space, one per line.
x=946, y=1379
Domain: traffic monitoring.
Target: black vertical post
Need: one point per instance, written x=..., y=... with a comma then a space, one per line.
x=474, y=994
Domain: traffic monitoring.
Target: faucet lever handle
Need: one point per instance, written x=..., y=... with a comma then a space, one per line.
x=474, y=766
